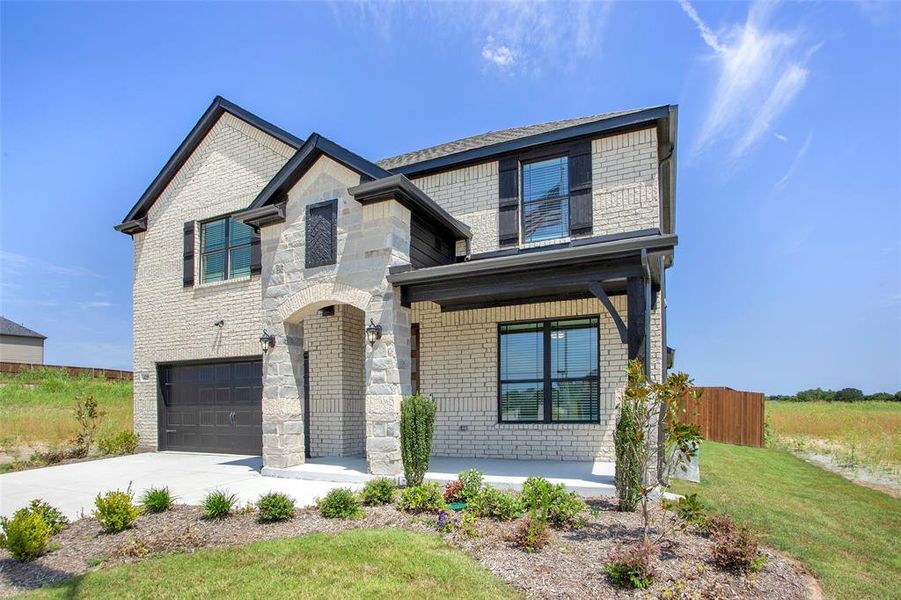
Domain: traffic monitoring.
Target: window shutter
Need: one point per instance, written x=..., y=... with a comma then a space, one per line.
x=508, y=202
x=322, y=234
x=580, y=206
x=188, y=272
x=256, y=262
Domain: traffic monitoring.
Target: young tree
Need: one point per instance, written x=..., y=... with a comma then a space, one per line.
x=417, y=425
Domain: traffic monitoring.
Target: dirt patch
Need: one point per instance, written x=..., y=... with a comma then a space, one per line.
x=887, y=483
x=571, y=566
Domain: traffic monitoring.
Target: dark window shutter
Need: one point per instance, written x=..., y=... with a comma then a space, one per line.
x=508, y=202
x=256, y=262
x=188, y=273
x=580, y=206
x=322, y=234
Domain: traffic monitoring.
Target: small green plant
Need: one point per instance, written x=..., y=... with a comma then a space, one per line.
x=467, y=526
x=689, y=508
x=88, y=415
x=532, y=532
x=25, y=536
x=116, y=510
x=417, y=425
x=157, y=500
x=491, y=502
x=51, y=515
x=562, y=507
x=632, y=566
x=124, y=442
x=340, y=503
x=422, y=498
x=472, y=483
x=274, y=507
x=378, y=491
x=219, y=504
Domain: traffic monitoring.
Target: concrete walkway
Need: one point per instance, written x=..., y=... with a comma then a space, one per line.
x=190, y=476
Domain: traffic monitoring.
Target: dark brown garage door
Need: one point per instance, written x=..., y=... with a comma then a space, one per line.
x=213, y=407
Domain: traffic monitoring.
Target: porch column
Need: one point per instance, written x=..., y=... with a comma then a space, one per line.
x=283, y=437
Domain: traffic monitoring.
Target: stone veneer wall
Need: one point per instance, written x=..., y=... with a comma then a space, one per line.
x=175, y=323
x=458, y=367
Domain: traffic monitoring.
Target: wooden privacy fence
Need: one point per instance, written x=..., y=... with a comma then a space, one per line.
x=11, y=367
x=727, y=415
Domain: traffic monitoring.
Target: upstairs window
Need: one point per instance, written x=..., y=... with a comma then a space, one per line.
x=545, y=199
x=225, y=250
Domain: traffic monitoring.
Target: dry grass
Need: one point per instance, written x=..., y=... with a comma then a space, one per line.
x=864, y=434
x=37, y=408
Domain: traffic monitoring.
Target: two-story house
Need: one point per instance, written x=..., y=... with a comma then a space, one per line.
x=289, y=293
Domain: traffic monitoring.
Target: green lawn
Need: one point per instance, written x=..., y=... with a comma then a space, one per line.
x=353, y=564
x=849, y=536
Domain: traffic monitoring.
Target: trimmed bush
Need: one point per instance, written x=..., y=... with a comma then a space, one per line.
x=716, y=525
x=422, y=498
x=124, y=442
x=157, y=500
x=54, y=519
x=379, y=491
x=340, y=503
x=632, y=566
x=737, y=549
x=219, y=504
x=25, y=536
x=562, y=507
x=491, y=502
x=453, y=491
x=417, y=424
x=274, y=507
x=116, y=510
x=472, y=483
x=532, y=533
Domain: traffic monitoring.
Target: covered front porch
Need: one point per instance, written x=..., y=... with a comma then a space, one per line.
x=588, y=478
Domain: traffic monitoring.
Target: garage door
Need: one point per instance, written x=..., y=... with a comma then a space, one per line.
x=212, y=407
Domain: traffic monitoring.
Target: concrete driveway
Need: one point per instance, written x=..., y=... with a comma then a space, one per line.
x=73, y=487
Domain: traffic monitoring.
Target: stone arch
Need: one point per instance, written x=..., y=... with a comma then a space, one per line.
x=310, y=299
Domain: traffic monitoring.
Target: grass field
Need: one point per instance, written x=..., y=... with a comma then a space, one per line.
x=37, y=406
x=864, y=434
x=849, y=536
x=352, y=564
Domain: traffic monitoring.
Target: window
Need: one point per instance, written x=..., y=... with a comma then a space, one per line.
x=545, y=199
x=225, y=250
x=548, y=372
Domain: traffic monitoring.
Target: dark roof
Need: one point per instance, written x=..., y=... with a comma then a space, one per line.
x=315, y=146
x=8, y=327
x=132, y=221
x=493, y=138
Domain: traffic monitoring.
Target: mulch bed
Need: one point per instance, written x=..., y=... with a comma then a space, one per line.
x=569, y=567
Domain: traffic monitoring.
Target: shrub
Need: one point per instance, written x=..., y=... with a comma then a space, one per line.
x=219, y=504
x=54, y=519
x=472, y=483
x=848, y=395
x=25, y=535
x=340, y=503
x=562, y=507
x=116, y=510
x=422, y=498
x=274, y=507
x=124, y=442
x=491, y=502
x=453, y=491
x=417, y=424
x=532, y=533
x=377, y=492
x=689, y=508
x=88, y=415
x=632, y=566
x=737, y=549
x=53, y=457
x=157, y=500
x=719, y=525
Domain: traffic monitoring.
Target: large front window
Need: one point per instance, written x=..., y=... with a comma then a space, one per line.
x=225, y=250
x=548, y=371
x=545, y=199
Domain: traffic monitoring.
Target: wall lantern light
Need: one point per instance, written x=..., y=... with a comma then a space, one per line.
x=267, y=341
x=373, y=332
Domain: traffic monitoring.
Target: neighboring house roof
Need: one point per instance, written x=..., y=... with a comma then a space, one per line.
x=8, y=327
x=133, y=221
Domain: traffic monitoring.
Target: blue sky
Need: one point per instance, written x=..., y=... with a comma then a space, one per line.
x=788, y=271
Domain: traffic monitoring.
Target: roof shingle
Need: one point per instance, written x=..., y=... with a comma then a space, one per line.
x=8, y=327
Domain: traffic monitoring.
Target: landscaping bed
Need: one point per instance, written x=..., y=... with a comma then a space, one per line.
x=570, y=565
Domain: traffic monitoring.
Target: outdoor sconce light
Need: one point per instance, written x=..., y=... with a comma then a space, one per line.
x=267, y=341
x=373, y=332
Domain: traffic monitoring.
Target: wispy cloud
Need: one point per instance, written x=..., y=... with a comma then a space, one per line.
x=760, y=73
x=498, y=54
x=95, y=304
x=799, y=157
x=18, y=264
x=780, y=137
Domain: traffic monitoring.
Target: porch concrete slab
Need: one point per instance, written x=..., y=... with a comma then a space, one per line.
x=584, y=477
x=190, y=476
